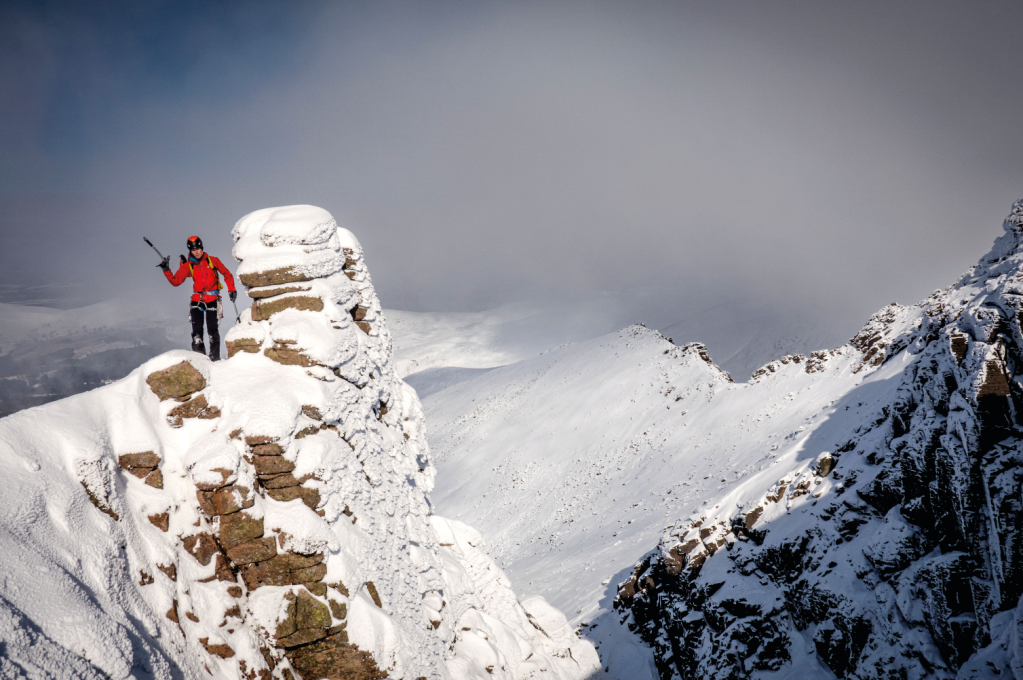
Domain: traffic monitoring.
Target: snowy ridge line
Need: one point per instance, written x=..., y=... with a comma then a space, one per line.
x=260, y=517
x=892, y=544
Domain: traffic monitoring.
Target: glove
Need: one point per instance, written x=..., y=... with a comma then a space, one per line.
x=164, y=264
x=183, y=260
x=233, y=295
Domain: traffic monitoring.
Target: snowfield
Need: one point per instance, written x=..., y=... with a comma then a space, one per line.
x=576, y=462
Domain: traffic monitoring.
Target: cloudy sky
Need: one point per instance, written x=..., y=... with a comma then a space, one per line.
x=823, y=156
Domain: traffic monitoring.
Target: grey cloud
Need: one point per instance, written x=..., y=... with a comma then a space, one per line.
x=803, y=157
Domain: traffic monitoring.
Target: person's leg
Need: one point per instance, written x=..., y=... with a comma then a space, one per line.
x=196, y=313
x=213, y=329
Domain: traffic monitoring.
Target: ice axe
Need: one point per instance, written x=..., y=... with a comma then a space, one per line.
x=163, y=260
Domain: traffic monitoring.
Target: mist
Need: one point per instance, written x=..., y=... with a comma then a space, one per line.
x=807, y=160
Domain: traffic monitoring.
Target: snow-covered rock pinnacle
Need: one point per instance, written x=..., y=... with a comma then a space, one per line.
x=893, y=547
x=264, y=516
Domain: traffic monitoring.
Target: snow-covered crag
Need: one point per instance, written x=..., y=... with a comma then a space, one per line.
x=894, y=548
x=264, y=516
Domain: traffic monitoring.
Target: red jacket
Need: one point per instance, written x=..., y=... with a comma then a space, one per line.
x=204, y=278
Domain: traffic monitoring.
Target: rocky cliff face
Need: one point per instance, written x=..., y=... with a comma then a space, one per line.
x=264, y=516
x=894, y=549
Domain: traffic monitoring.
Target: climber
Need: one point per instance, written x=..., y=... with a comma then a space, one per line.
x=203, y=268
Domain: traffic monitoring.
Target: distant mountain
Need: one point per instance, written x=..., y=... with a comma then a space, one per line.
x=852, y=512
x=890, y=543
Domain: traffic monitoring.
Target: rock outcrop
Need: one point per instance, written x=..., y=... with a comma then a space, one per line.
x=271, y=511
x=895, y=549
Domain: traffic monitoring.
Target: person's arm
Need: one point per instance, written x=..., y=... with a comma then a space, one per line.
x=227, y=277
x=178, y=277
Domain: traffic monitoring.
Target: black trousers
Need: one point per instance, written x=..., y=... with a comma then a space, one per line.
x=208, y=311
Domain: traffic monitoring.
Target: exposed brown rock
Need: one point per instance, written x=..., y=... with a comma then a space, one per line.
x=311, y=497
x=223, y=651
x=225, y=475
x=302, y=637
x=317, y=588
x=94, y=499
x=274, y=277
x=224, y=573
x=294, y=561
x=269, y=449
x=160, y=520
x=753, y=515
x=825, y=464
x=311, y=612
x=309, y=574
x=260, y=293
x=259, y=439
x=283, y=570
x=372, y=589
x=192, y=617
x=359, y=313
x=264, y=309
x=145, y=459
x=234, y=591
x=338, y=609
x=366, y=328
x=995, y=384
x=256, y=550
x=280, y=481
x=225, y=501
x=250, y=345
x=145, y=578
x=196, y=407
x=239, y=527
x=334, y=657
x=201, y=546
x=170, y=570
x=288, y=356
x=172, y=613
x=312, y=412
x=272, y=465
x=959, y=345
x=155, y=479
x=175, y=382
x=272, y=572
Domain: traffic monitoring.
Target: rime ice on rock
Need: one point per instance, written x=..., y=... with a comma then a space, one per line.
x=273, y=507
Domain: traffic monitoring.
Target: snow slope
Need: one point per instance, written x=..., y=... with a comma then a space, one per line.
x=576, y=462
x=263, y=516
x=914, y=574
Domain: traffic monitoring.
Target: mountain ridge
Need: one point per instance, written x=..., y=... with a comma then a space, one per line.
x=915, y=574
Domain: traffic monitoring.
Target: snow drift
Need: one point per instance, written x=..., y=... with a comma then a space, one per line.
x=264, y=516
